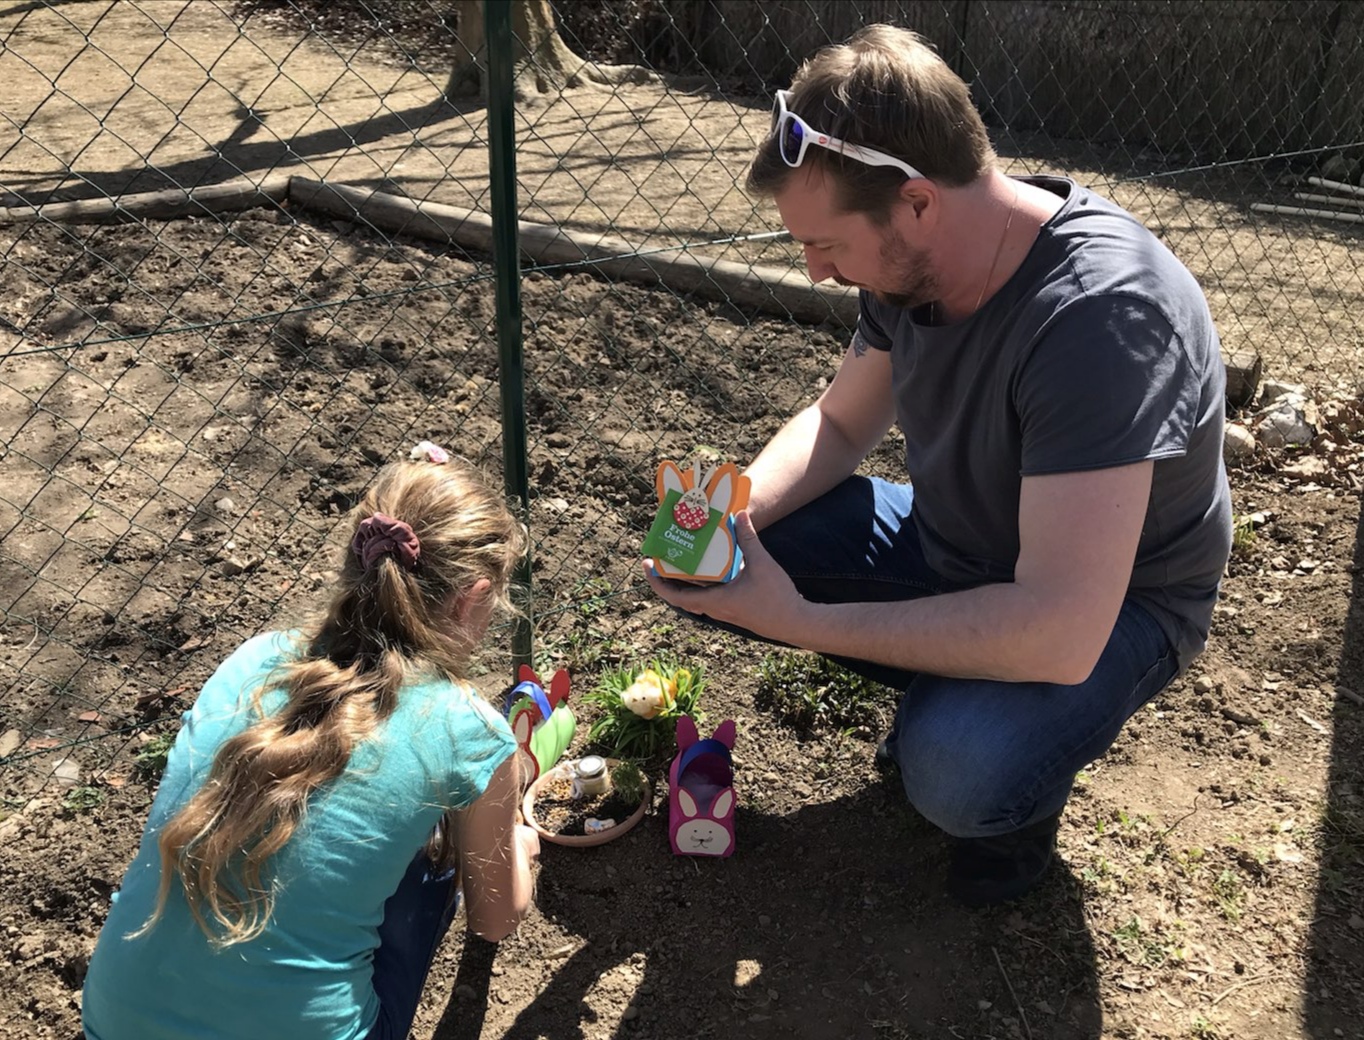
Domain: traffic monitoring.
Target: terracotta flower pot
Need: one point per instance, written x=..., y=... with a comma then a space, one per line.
x=565, y=769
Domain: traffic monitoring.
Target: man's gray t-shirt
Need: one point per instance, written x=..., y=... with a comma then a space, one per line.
x=1099, y=351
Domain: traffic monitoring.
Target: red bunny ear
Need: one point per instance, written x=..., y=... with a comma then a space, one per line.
x=558, y=687
x=527, y=674
x=686, y=733
x=724, y=733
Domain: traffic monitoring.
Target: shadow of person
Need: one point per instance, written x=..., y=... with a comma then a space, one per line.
x=828, y=921
x=1333, y=1005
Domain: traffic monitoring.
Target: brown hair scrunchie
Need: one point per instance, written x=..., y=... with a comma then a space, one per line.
x=379, y=535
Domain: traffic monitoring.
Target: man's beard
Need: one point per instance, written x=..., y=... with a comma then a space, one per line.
x=908, y=270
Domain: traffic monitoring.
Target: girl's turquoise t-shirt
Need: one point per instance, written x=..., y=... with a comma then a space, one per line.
x=308, y=975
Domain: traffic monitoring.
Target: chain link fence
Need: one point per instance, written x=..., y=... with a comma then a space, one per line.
x=245, y=258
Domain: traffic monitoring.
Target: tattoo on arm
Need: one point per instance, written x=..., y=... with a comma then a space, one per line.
x=859, y=344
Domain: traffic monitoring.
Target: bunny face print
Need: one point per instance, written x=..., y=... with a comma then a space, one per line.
x=705, y=832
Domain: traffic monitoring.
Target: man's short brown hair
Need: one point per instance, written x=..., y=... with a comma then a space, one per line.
x=888, y=89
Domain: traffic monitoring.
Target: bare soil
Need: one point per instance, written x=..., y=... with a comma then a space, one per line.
x=174, y=482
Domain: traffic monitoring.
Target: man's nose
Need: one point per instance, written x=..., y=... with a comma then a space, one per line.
x=820, y=269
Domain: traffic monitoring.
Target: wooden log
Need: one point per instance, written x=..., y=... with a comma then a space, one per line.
x=1300, y=211
x=769, y=289
x=1244, y=369
x=170, y=204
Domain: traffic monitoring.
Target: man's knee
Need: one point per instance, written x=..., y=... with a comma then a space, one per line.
x=973, y=790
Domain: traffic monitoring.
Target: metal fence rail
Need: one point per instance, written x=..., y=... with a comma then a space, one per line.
x=196, y=384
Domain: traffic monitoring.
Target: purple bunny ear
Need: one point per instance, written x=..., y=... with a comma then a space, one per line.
x=724, y=733
x=686, y=733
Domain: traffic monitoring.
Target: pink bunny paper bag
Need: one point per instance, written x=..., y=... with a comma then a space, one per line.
x=701, y=791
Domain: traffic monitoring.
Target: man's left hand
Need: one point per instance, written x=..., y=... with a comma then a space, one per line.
x=761, y=599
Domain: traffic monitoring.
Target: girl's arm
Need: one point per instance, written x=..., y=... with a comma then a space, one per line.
x=496, y=856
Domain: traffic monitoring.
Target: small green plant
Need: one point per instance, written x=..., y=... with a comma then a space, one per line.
x=1203, y=1029
x=593, y=595
x=80, y=800
x=1229, y=893
x=628, y=782
x=621, y=731
x=150, y=760
x=810, y=692
x=1243, y=533
x=1143, y=945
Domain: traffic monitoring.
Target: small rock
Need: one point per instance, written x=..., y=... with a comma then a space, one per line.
x=1308, y=467
x=1287, y=854
x=630, y=1013
x=67, y=772
x=764, y=920
x=1237, y=442
x=984, y=1005
x=233, y=566
x=465, y=992
x=559, y=440
x=1203, y=685
x=1284, y=424
x=225, y=505
x=11, y=740
x=1272, y=390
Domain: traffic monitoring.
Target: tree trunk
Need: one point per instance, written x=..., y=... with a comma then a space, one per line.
x=543, y=63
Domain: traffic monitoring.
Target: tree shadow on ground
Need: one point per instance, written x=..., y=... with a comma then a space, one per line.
x=828, y=921
x=250, y=148
x=1333, y=993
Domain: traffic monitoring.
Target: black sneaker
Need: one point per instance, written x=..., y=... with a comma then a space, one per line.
x=995, y=870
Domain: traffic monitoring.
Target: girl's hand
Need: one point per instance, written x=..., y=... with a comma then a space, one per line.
x=529, y=842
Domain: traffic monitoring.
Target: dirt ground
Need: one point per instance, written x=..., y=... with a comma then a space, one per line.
x=173, y=483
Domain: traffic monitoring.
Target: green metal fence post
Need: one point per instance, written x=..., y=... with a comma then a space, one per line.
x=507, y=267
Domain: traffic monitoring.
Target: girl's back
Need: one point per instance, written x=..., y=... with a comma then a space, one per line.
x=309, y=973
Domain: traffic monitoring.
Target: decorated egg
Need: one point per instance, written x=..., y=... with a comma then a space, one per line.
x=692, y=510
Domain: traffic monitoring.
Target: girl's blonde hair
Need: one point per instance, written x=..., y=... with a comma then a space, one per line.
x=385, y=625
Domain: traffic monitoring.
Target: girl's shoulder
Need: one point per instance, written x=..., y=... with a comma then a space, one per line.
x=456, y=705
x=245, y=669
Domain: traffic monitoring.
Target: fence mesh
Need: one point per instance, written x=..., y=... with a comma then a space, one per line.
x=221, y=306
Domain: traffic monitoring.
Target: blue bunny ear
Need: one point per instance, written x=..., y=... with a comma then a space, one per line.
x=527, y=689
x=738, y=563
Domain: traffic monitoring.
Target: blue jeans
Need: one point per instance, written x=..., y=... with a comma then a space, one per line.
x=978, y=757
x=416, y=918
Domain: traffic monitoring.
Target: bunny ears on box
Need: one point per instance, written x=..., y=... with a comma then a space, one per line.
x=692, y=537
x=542, y=723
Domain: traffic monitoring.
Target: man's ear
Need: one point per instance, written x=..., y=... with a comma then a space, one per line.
x=472, y=597
x=921, y=196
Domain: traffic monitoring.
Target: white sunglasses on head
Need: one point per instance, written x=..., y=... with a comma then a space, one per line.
x=794, y=136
